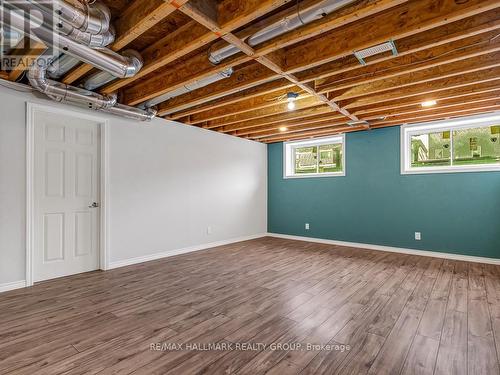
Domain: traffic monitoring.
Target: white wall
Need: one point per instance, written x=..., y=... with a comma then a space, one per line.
x=167, y=183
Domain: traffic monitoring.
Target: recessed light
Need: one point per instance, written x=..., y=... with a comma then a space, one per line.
x=429, y=103
x=283, y=129
x=291, y=106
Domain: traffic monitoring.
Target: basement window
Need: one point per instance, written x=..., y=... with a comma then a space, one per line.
x=321, y=157
x=467, y=144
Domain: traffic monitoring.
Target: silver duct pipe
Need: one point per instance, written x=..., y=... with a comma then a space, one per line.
x=9, y=39
x=93, y=19
x=39, y=9
x=61, y=65
x=281, y=27
x=104, y=59
x=132, y=112
x=73, y=95
x=99, y=79
x=226, y=73
x=62, y=92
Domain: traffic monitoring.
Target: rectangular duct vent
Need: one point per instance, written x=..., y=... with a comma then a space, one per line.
x=361, y=55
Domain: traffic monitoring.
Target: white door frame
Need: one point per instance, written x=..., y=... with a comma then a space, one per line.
x=30, y=176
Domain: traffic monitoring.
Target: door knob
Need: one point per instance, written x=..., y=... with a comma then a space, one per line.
x=94, y=205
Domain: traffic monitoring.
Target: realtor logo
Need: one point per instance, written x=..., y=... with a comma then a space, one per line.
x=20, y=23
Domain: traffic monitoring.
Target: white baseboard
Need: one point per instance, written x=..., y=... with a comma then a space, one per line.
x=169, y=253
x=12, y=285
x=435, y=254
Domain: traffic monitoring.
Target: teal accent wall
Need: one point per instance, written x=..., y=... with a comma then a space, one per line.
x=374, y=204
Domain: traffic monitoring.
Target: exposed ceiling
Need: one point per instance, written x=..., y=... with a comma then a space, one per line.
x=447, y=51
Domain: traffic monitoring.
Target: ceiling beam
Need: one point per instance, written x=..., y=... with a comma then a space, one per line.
x=186, y=39
x=175, y=105
x=135, y=20
x=445, y=54
x=291, y=123
x=437, y=73
x=442, y=35
x=278, y=108
x=478, y=62
x=248, y=105
x=27, y=50
x=436, y=116
x=402, y=21
x=417, y=42
x=331, y=130
x=317, y=126
x=445, y=103
x=457, y=81
x=460, y=93
x=396, y=122
x=169, y=78
x=304, y=113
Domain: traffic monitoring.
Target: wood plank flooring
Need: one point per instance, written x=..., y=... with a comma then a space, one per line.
x=266, y=306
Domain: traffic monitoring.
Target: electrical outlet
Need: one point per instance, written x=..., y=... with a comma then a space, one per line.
x=209, y=230
x=418, y=236
x=307, y=226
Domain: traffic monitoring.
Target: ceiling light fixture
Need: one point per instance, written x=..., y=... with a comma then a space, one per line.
x=283, y=128
x=429, y=103
x=291, y=97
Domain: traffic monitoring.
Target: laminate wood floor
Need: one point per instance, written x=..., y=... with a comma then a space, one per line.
x=266, y=306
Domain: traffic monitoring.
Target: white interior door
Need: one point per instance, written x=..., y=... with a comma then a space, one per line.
x=66, y=195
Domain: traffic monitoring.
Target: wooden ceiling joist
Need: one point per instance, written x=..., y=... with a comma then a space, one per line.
x=437, y=73
x=446, y=103
x=402, y=21
x=442, y=35
x=460, y=93
x=447, y=50
x=261, y=91
x=298, y=129
x=371, y=23
x=445, y=54
x=469, y=47
x=429, y=87
x=269, y=100
x=330, y=117
x=269, y=120
x=438, y=116
x=278, y=137
x=306, y=102
x=26, y=50
x=138, y=18
x=165, y=79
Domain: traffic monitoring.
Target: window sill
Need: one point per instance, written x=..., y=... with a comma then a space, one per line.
x=316, y=175
x=460, y=169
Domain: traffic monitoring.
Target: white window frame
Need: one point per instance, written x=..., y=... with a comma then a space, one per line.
x=408, y=130
x=289, y=162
